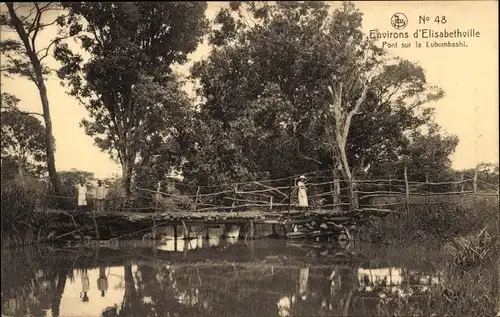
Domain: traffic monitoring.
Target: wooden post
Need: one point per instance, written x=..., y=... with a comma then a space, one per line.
x=498, y=201
x=407, y=190
x=205, y=231
x=332, y=189
x=461, y=187
x=351, y=195
x=252, y=230
x=186, y=230
x=251, y=244
x=186, y=248
x=497, y=271
x=196, y=199
x=96, y=227
x=224, y=231
x=429, y=187
x=235, y=189
x=158, y=187
x=354, y=194
x=154, y=227
x=175, y=232
x=271, y=202
x=273, y=226
x=462, y=182
x=289, y=196
x=336, y=191
x=475, y=181
x=390, y=189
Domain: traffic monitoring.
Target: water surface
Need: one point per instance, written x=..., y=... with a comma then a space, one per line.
x=207, y=278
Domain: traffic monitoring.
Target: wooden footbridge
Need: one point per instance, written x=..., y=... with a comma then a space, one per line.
x=194, y=210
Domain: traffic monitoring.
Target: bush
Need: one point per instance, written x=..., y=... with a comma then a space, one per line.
x=440, y=222
x=22, y=201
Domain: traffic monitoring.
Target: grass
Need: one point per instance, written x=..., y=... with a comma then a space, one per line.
x=464, y=237
x=21, y=200
x=434, y=222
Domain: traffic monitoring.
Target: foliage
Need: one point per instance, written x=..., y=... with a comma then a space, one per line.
x=23, y=57
x=487, y=175
x=268, y=108
x=439, y=222
x=23, y=140
x=21, y=203
x=127, y=85
x=72, y=177
x=33, y=17
x=429, y=154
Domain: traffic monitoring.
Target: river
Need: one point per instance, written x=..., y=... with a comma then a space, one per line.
x=214, y=277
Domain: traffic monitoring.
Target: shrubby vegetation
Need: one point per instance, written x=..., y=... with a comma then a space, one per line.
x=22, y=200
x=436, y=222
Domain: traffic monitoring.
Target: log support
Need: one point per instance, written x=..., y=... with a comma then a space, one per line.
x=224, y=228
x=251, y=233
x=186, y=230
x=274, y=234
x=205, y=231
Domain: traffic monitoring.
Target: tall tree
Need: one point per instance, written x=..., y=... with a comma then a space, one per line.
x=23, y=57
x=69, y=179
x=22, y=139
x=127, y=84
x=287, y=92
x=429, y=154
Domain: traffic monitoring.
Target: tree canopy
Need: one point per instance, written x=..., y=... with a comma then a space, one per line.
x=133, y=97
x=22, y=139
x=270, y=86
x=24, y=56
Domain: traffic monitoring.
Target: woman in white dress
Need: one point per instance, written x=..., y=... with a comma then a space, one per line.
x=302, y=192
x=81, y=194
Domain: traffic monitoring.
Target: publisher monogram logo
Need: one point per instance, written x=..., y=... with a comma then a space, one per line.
x=399, y=21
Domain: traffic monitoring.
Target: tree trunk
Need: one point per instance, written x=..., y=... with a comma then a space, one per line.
x=130, y=296
x=336, y=190
x=40, y=83
x=351, y=187
x=20, y=171
x=49, y=139
x=56, y=300
x=127, y=179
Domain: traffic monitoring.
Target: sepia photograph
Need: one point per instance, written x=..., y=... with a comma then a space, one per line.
x=249, y=159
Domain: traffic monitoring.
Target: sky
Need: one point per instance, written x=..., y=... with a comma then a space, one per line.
x=468, y=75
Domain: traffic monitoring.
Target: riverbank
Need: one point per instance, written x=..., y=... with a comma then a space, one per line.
x=464, y=238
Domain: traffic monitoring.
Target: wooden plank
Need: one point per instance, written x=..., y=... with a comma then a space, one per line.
x=407, y=190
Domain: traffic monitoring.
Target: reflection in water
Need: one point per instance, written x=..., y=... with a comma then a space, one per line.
x=227, y=278
x=181, y=245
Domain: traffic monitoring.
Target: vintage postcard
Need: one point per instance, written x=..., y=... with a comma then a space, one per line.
x=250, y=158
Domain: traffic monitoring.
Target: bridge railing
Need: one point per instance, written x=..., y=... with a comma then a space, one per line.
x=281, y=195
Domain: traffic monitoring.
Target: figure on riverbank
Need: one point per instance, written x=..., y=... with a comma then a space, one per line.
x=302, y=192
x=81, y=194
x=100, y=196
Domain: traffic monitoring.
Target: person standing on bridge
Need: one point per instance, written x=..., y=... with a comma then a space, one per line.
x=100, y=196
x=81, y=194
x=302, y=192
